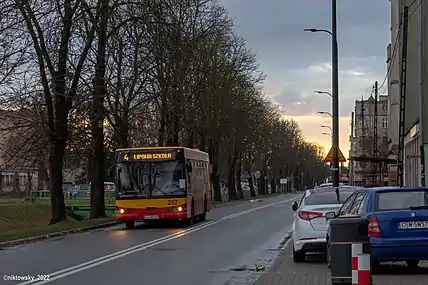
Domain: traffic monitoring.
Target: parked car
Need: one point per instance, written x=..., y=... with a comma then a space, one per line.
x=329, y=184
x=398, y=222
x=310, y=226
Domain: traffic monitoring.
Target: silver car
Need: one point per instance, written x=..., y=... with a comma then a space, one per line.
x=310, y=225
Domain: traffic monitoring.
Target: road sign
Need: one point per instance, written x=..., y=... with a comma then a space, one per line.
x=257, y=174
x=283, y=181
x=329, y=156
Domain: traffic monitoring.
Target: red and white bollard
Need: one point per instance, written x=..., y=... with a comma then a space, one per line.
x=361, y=272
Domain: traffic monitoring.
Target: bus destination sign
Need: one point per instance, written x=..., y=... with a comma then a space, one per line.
x=147, y=156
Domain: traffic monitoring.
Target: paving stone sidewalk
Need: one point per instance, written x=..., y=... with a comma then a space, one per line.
x=315, y=272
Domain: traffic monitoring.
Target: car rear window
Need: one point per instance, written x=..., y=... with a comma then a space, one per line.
x=401, y=200
x=326, y=198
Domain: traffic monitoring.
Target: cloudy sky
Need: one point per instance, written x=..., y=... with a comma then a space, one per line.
x=297, y=63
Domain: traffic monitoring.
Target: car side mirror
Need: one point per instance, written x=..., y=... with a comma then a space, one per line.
x=330, y=215
x=295, y=206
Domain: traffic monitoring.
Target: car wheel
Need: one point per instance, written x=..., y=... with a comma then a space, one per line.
x=412, y=263
x=298, y=256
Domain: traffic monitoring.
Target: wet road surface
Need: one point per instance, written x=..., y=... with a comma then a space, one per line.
x=235, y=237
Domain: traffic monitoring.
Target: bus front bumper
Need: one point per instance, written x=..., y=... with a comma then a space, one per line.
x=150, y=214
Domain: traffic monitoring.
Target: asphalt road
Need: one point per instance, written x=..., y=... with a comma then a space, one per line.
x=235, y=236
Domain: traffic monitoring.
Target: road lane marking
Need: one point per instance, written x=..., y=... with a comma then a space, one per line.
x=122, y=253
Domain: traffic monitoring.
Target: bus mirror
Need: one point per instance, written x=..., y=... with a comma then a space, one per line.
x=189, y=167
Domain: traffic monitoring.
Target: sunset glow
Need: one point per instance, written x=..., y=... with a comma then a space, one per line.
x=312, y=132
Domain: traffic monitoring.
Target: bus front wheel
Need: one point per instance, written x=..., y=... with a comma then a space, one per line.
x=130, y=224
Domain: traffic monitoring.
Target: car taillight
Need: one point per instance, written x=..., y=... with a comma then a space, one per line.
x=307, y=216
x=374, y=230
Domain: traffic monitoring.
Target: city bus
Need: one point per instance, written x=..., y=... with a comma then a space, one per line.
x=162, y=183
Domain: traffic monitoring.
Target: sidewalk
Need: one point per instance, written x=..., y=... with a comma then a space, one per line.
x=315, y=272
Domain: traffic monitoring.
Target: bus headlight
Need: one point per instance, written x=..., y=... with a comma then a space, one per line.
x=121, y=211
x=180, y=209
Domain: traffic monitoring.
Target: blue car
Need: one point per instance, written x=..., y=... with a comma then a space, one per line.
x=398, y=222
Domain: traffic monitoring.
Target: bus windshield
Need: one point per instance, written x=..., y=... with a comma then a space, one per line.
x=148, y=179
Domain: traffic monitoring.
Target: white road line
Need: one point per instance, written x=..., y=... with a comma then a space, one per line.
x=110, y=257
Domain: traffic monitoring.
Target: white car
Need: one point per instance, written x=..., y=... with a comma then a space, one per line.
x=310, y=225
x=323, y=185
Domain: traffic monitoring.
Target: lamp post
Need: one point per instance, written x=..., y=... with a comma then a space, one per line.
x=327, y=127
x=324, y=92
x=335, y=88
x=326, y=134
x=326, y=113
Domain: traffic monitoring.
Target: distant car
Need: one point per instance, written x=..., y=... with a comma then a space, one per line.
x=398, y=222
x=328, y=185
x=310, y=226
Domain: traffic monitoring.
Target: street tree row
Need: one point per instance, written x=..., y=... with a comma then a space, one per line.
x=81, y=78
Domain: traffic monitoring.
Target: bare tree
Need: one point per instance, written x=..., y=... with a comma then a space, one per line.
x=50, y=26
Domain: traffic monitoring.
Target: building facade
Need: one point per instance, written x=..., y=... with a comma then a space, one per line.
x=369, y=144
x=413, y=89
x=18, y=175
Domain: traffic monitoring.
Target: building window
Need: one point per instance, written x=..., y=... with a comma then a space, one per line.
x=360, y=123
x=385, y=123
x=385, y=107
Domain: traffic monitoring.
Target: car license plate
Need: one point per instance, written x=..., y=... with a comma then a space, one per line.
x=151, y=217
x=410, y=225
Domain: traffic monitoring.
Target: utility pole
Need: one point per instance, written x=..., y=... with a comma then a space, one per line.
x=351, y=162
x=335, y=93
x=376, y=91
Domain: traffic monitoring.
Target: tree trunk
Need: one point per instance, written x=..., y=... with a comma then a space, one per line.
x=121, y=134
x=231, y=179
x=251, y=182
x=273, y=185
x=56, y=159
x=215, y=177
x=238, y=179
x=162, y=124
x=97, y=126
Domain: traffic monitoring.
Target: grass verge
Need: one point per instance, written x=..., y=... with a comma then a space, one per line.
x=22, y=220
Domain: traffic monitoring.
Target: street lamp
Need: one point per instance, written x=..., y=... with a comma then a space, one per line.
x=327, y=127
x=335, y=88
x=326, y=113
x=318, y=30
x=324, y=92
x=326, y=134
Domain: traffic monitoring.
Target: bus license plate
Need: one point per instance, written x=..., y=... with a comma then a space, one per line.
x=155, y=217
x=413, y=225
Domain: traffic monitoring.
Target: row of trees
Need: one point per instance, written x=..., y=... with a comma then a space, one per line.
x=81, y=78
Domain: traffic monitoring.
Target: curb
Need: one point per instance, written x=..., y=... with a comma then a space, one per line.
x=27, y=240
